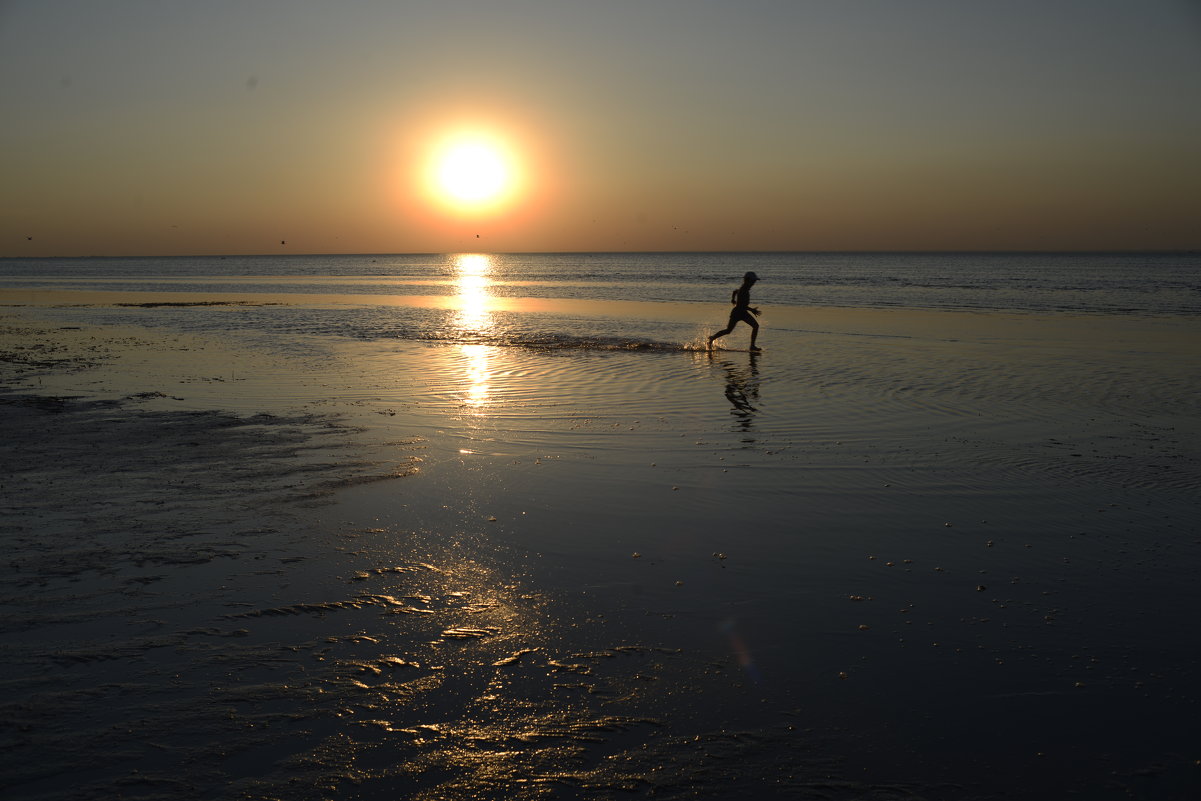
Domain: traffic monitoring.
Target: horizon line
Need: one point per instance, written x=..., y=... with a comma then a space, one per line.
x=902, y=251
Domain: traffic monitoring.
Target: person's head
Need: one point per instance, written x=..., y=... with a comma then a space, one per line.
x=750, y=278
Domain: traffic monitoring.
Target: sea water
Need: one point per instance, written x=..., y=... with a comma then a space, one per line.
x=938, y=533
x=490, y=298
x=1100, y=283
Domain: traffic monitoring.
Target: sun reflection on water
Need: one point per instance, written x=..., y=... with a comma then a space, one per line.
x=474, y=319
x=478, y=374
x=472, y=280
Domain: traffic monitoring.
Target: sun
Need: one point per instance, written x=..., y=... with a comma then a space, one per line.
x=473, y=172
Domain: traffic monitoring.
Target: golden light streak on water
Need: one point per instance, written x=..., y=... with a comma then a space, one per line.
x=472, y=281
x=478, y=374
x=473, y=271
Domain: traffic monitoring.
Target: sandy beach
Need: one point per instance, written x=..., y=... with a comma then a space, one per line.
x=901, y=554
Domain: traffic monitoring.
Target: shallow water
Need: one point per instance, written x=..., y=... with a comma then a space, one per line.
x=899, y=554
x=1004, y=511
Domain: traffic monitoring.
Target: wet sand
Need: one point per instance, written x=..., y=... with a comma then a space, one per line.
x=910, y=555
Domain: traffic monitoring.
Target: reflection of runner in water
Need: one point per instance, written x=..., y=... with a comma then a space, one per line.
x=741, y=298
x=742, y=389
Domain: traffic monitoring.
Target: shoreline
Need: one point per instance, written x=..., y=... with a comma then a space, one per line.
x=903, y=321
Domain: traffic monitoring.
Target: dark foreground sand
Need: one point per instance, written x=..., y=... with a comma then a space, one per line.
x=540, y=585
x=177, y=625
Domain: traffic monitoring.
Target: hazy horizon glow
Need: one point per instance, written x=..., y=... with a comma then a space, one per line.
x=161, y=128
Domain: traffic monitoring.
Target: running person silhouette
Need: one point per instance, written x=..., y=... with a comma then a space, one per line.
x=741, y=298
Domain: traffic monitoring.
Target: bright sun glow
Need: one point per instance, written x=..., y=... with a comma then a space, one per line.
x=473, y=172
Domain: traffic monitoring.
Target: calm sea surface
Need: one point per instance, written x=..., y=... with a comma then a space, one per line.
x=1093, y=283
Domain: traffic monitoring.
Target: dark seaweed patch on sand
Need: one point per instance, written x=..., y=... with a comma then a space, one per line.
x=21, y=352
x=91, y=485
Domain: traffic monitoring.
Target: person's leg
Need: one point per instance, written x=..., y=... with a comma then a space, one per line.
x=729, y=327
x=720, y=333
x=754, y=324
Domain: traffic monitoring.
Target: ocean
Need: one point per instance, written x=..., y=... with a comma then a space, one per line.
x=422, y=297
x=1089, y=283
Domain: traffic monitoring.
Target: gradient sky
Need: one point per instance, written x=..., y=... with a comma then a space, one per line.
x=164, y=127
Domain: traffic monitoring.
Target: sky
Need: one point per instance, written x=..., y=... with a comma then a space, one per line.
x=172, y=127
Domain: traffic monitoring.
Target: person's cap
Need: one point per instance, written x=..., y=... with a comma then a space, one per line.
x=750, y=276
